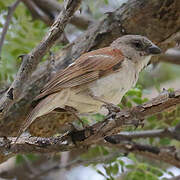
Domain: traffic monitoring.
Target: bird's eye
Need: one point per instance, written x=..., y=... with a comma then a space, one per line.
x=138, y=44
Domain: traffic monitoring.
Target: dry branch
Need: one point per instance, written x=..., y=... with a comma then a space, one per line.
x=52, y=8
x=31, y=60
x=97, y=132
x=172, y=133
x=47, y=11
x=171, y=57
x=166, y=154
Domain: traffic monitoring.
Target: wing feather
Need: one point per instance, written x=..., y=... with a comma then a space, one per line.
x=86, y=68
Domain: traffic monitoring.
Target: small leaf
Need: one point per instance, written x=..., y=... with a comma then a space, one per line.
x=156, y=171
x=19, y=159
x=130, y=166
x=115, y=169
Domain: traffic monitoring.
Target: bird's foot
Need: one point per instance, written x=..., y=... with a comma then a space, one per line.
x=112, y=108
x=74, y=113
x=136, y=123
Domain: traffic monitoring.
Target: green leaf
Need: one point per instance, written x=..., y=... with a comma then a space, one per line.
x=137, y=100
x=134, y=92
x=19, y=159
x=130, y=166
x=165, y=141
x=115, y=169
x=108, y=170
x=150, y=176
x=156, y=171
x=32, y=157
x=122, y=164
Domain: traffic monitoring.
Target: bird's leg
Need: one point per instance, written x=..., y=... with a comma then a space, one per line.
x=109, y=106
x=74, y=113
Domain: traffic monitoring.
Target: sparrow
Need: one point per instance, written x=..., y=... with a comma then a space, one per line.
x=102, y=75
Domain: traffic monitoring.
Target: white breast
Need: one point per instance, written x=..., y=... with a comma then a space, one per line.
x=111, y=88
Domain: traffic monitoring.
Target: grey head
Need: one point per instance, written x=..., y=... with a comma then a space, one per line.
x=136, y=48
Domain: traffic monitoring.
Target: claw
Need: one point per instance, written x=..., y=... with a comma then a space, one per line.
x=138, y=123
x=111, y=108
x=74, y=113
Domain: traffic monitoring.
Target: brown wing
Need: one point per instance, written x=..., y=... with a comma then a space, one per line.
x=86, y=68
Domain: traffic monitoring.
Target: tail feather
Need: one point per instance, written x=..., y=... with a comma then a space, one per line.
x=29, y=120
x=45, y=106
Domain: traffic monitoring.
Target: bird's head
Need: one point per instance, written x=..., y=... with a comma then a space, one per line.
x=137, y=48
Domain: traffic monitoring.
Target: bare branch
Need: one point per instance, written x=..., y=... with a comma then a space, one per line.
x=95, y=133
x=166, y=154
x=47, y=11
x=171, y=56
x=31, y=60
x=11, y=10
x=37, y=12
x=52, y=8
x=173, y=133
x=132, y=116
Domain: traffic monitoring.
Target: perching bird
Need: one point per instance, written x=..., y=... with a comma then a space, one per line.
x=101, y=75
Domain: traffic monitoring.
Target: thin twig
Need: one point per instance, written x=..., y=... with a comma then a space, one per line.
x=39, y=13
x=173, y=133
x=166, y=154
x=171, y=56
x=11, y=10
x=52, y=8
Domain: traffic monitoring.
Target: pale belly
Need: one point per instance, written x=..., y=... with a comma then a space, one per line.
x=110, y=88
x=113, y=87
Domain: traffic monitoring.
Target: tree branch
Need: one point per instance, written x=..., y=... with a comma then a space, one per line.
x=37, y=12
x=31, y=60
x=173, y=133
x=52, y=8
x=93, y=134
x=11, y=10
x=171, y=56
x=47, y=11
x=166, y=154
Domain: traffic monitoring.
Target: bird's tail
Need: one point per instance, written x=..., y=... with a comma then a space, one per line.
x=29, y=120
x=45, y=106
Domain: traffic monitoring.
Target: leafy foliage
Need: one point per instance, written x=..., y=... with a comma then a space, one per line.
x=23, y=35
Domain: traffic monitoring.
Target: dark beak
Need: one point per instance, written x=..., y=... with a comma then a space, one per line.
x=154, y=50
